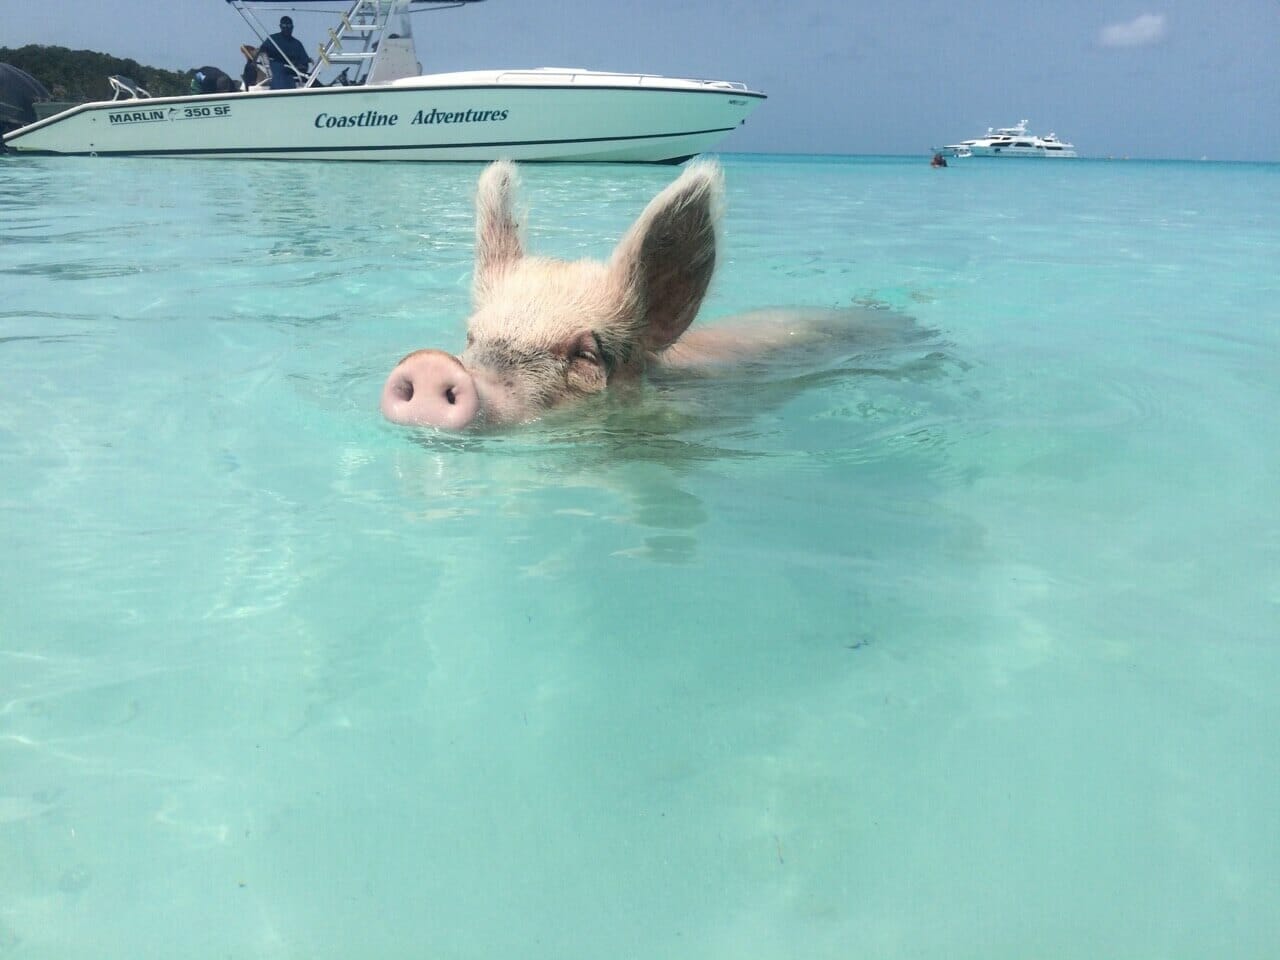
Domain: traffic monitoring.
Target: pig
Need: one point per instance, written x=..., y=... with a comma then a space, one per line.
x=545, y=334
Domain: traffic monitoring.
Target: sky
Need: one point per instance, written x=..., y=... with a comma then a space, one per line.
x=1177, y=79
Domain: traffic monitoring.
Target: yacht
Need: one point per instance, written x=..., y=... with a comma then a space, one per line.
x=381, y=106
x=1010, y=142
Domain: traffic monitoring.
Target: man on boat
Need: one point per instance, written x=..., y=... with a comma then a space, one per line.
x=288, y=57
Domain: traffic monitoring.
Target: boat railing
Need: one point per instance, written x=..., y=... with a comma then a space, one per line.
x=596, y=76
x=364, y=24
x=125, y=89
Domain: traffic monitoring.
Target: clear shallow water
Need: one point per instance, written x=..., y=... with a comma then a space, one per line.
x=966, y=648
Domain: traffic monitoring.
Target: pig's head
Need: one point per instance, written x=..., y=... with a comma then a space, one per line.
x=545, y=333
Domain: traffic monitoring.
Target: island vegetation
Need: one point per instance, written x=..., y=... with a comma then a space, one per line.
x=82, y=74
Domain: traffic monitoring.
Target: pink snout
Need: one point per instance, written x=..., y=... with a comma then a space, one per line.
x=430, y=388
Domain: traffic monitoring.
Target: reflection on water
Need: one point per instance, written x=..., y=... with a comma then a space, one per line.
x=644, y=444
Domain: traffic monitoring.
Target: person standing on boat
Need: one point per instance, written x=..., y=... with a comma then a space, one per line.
x=288, y=58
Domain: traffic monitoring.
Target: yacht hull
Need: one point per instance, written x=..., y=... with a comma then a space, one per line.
x=409, y=120
x=1019, y=152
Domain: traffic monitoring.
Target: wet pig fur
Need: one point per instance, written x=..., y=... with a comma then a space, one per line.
x=545, y=333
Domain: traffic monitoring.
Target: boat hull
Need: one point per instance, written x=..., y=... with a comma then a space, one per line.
x=474, y=122
x=1020, y=152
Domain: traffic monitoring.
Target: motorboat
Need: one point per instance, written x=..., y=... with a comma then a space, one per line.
x=366, y=98
x=1010, y=142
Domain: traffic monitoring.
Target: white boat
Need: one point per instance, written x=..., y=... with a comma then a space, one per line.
x=1010, y=142
x=382, y=107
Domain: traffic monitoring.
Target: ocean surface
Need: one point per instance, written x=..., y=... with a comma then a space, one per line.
x=967, y=647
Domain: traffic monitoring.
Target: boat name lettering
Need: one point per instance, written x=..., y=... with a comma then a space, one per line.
x=199, y=113
x=370, y=118
x=136, y=116
x=460, y=116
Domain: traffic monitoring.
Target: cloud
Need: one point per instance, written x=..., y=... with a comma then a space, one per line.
x=1138, y=32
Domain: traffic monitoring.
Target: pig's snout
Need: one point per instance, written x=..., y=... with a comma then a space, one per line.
x=430, y=388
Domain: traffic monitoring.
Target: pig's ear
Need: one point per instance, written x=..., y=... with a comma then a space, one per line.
x=666, y=259
x=498, y=244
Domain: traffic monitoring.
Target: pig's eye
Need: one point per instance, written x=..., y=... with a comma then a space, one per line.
x=585, y=347
x=471, y=338
x=586, y=373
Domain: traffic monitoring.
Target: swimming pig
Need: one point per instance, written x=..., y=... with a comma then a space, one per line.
x=546, y=333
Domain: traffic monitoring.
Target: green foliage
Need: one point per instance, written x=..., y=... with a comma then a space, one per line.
x=82, y=74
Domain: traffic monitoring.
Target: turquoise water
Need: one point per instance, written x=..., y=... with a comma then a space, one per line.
x=968, y=648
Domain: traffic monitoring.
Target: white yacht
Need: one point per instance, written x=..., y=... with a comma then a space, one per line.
x=1010, y=142
x=380, y=106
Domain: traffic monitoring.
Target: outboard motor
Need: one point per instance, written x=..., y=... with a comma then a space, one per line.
x=18, y=91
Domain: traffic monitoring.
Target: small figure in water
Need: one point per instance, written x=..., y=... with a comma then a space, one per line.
x=938, y=160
